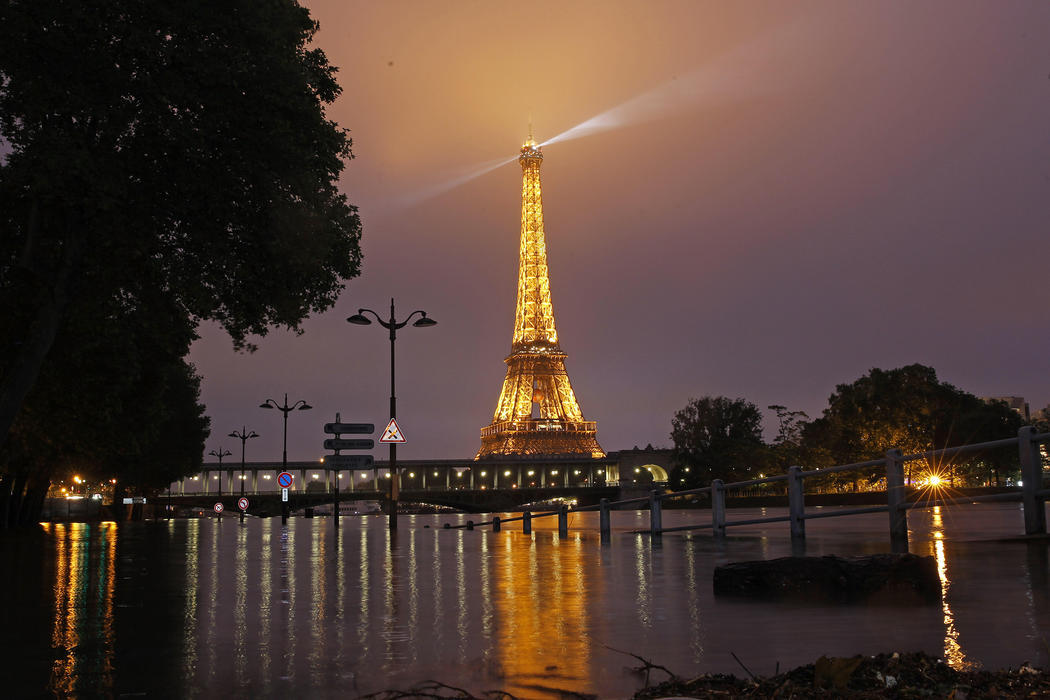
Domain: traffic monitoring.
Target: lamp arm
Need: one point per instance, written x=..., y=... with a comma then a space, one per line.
x=362, y=312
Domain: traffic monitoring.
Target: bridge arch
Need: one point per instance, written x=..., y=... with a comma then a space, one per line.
x=633, y=463
x=658, y=472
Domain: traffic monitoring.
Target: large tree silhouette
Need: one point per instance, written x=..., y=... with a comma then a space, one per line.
x=167, y=159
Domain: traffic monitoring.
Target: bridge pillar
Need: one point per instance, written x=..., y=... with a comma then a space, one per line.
x=448, y=478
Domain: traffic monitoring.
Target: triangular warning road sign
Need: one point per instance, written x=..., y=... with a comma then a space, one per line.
x=392, y=432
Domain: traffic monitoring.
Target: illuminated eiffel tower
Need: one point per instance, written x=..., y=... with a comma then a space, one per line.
x=536, y=381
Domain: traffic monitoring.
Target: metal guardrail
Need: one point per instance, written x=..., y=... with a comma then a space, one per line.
x=1032, y=495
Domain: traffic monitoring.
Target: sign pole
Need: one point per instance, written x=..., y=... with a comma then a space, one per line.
x=393, y=415
x=335, y=489
x=340, y=461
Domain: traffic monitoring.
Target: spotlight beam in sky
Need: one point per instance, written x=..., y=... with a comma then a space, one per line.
x=733, y=75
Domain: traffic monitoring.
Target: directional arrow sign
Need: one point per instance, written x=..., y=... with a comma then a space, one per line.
x=336, y=444
x=349, y=428
x=349, y=461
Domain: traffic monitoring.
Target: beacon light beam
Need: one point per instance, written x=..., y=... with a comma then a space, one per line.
x=465, y=176
x=748, y=70
x=739, y=73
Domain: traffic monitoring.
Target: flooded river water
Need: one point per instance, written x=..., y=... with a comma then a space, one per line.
x=199, y=608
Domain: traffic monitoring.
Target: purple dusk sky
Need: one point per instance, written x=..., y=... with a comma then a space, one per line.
x=765, y=199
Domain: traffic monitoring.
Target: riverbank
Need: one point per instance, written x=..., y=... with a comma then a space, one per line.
x=894, y=675
x=911, y=675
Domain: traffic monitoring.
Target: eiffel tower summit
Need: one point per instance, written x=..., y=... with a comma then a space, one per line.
x=537, y=412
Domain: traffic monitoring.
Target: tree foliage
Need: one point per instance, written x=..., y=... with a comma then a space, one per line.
x=910, y=409
x=787, y=449
x=160, y=164
x=907, y=408
x=716, y=438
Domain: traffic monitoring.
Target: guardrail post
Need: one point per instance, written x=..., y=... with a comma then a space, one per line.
x=718, y=508
x=563, y=522
x=495, y=523
x=526, y=523
x=604, y=525
x=895, y=500
x=656, y=527
x=1032, y=482
x=796, y=503
x=470, y=524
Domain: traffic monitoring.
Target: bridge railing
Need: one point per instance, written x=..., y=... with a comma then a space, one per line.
x=1032, y=494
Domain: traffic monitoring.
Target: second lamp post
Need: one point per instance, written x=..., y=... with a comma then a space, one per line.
x=285, y=409
x=393, y=326
x=244, y=436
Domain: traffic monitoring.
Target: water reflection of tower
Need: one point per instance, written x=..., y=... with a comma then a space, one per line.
x=537, y=411
x=541, y=591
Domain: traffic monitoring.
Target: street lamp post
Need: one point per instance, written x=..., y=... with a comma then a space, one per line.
x=244, y=436
x=220, y=454
x=393, y=326
x=285, y=409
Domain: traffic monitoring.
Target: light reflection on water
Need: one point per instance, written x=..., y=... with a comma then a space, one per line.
x=201, y=608
x=953, y=653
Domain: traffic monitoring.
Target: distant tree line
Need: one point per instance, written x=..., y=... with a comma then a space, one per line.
x=906, y=408
x=161, y=164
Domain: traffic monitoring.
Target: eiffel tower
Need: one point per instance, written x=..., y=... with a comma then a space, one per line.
x=537, y=412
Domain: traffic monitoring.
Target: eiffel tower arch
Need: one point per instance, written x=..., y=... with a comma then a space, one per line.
x=537, y=412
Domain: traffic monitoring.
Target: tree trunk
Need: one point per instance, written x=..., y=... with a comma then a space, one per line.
x=51, y=305
x=17, y=499
x=33, y=502
x=5, y=500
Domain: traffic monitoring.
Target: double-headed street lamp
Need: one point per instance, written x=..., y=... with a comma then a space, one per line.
x=393, y=326
x=285, y=409
x=244, y=437
x=220, y=454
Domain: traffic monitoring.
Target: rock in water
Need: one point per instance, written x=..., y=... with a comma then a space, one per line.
x=891, y=578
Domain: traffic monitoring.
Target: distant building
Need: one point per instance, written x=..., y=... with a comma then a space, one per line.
x=1017, y=403
x=1043, y=414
